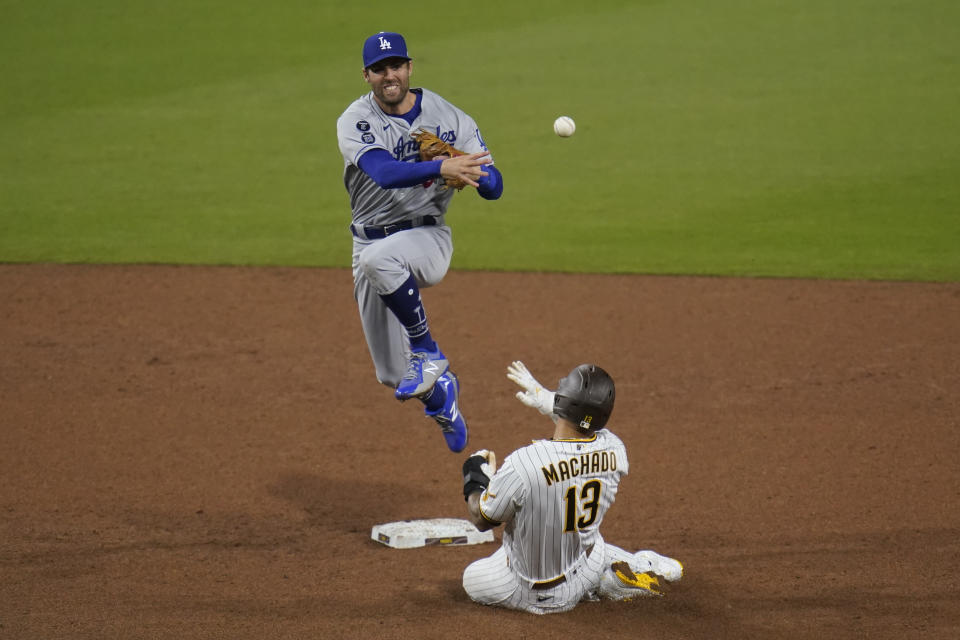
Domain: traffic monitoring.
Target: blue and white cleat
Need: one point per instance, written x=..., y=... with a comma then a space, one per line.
x=423, y=371
x=449, y=418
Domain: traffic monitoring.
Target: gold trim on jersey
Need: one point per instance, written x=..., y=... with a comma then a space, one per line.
x=592, y=438
x=485, y=516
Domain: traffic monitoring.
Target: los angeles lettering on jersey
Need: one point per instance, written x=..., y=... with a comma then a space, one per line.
x=596, y=462
x=408, y=149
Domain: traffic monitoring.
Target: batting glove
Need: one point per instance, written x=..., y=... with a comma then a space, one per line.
x=534, y=394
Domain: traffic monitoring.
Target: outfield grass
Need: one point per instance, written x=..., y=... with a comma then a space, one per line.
x=777, y=137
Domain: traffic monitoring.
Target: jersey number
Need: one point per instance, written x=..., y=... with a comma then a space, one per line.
x=587, y=501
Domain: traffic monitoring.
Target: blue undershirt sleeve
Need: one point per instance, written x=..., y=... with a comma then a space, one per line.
x=389, y=173
x=491, y=185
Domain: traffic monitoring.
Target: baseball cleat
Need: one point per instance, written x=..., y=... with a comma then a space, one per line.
x=669, y=569
x=423, y=370
x=449, y=418
x=622, y=583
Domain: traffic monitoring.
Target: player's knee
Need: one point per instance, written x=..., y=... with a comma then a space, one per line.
x=432, y=276
x=484, y=588
x=378, y=265
x=470, y=575
x=367, y=264
x=472, y=587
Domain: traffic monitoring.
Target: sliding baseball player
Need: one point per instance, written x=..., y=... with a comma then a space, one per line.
x=552, y=496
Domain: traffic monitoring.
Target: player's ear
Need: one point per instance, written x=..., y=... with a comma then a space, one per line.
x=366, y=75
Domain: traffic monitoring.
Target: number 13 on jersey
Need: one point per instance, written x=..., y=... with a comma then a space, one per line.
x=583, y=502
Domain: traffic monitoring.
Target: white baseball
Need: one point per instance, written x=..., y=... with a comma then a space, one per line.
x=564, y=126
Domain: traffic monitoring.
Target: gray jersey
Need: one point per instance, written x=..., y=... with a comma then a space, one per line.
x=364, y=126
x=553, y=495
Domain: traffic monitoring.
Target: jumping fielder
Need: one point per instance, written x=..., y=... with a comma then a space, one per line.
x=401, y=242
x=552, y=496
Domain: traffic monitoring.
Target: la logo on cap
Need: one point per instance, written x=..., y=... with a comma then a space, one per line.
x=384, y=44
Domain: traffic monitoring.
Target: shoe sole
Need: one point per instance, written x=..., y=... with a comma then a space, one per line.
x=646, y=584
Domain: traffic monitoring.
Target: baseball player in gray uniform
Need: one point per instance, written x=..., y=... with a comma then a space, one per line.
x=401, y=242
x=552, y=496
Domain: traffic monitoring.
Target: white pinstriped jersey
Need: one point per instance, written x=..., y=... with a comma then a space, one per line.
x=364, y=126
x=553, y=495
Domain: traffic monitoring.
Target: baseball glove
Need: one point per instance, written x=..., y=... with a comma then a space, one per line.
x=431, y=147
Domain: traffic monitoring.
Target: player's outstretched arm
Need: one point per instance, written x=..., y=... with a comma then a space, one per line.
x=390, y=173
x=534, y=394
x=467, y=168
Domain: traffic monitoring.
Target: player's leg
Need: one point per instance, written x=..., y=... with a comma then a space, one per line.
x=407, y=305
x=385, y=336
x=490, y=581
x=386, y=341
x=427, y=254
x=442, y=401
x=397, y=267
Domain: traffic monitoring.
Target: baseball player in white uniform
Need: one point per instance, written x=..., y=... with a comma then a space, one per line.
x=401, y=242
x=552, y=496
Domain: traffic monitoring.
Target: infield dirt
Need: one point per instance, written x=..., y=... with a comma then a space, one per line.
x=201, y=452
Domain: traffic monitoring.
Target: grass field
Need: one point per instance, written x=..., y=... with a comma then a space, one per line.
x=763, y=137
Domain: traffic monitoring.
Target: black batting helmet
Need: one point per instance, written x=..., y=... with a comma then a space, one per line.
x=585, y=397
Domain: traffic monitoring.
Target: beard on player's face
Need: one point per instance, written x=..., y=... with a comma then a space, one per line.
x=392, y=92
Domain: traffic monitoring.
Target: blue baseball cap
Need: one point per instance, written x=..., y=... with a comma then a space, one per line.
x=384, y=45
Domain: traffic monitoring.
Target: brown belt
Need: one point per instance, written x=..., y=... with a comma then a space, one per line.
x=547, y=584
